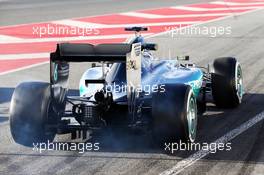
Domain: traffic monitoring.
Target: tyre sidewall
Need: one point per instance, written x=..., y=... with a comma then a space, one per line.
x=169, y=112
x=29, y=113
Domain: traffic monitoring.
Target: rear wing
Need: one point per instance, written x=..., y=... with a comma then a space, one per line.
x=73, y=52
x=105, y=53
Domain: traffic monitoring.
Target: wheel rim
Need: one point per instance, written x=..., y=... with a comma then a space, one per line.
x=239, y=82
x=192, y=118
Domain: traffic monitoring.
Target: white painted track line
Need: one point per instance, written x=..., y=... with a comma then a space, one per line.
x=77, y=38
x=24, y=68
x=200, y=9
x=60, y=39
x=237, y=3
x=183, y=164
x=81, y=24
x=24, y=56
x=142, y=15
x=155, y=16
x=75, y=23
x=7, y=38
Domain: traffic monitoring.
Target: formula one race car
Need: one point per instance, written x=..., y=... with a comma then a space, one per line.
x=131, y=88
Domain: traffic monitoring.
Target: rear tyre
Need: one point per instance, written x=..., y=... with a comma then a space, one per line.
x=227, y=82
x=29, y=112
x=174, y=112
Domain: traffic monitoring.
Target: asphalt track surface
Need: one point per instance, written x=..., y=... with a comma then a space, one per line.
x=129, y=153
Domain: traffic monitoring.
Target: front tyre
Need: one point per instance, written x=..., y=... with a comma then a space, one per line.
x=29, y=112
x=174, y=112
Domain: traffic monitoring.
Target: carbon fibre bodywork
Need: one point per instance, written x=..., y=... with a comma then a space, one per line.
x=153, y=73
